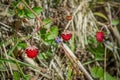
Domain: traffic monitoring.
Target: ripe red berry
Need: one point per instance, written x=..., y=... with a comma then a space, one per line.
x=68, y=17
x=66, y=36
x=31, y=51
x=100, y=36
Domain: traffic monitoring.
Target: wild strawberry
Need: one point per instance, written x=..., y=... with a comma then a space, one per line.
x=66, y=36
x=100, y=36
x=31, y=51
x=68, y=17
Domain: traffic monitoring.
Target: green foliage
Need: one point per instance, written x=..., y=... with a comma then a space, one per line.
x=37, y=10
x=16, y=75
x=45, y=55
x=97, y=51
x=98, y=72
x=115, y=22
x=47, y=23
x=23, y=11
x=21, y=45
x=100, y=15
x=54, y=31
x=29, y=14
x=43, y=33
x=42, y=55
x=12, y=49
x=69, y=74
x=49, y=37
x=27, y=77
x=92, y=40
x=15, y=3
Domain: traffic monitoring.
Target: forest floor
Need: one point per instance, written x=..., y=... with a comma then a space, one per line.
x=59, y=40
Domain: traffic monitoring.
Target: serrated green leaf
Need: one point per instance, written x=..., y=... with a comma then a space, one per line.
x=37, y=10
x=100, y=15
x=115, y=22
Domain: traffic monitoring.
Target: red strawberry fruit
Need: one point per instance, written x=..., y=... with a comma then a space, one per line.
x=66, y=36
x=31, y=51
x=100, y=36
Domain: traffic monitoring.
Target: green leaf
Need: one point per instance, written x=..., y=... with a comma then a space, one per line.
x=54, y=31
x=22, y=45
x=29, y=14
x=37, y=10
x=98, y=72
x=109, y=77
x=43, y=33
x=52, y=34
x=115, y=22
x=49, y=36
x=16, y=75
x=21, y=13
x=92, y=40
x=15, y=3
x=100, y=15
x=47, y=23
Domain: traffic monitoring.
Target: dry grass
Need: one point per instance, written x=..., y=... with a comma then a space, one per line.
x=71, y=56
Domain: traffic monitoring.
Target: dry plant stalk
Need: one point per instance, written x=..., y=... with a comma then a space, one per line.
x=74, y=58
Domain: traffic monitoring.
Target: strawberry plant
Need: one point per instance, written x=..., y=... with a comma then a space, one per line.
x=59, y=40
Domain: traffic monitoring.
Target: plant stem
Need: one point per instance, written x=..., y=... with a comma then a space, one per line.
x=33, y=12
x=105, y=64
